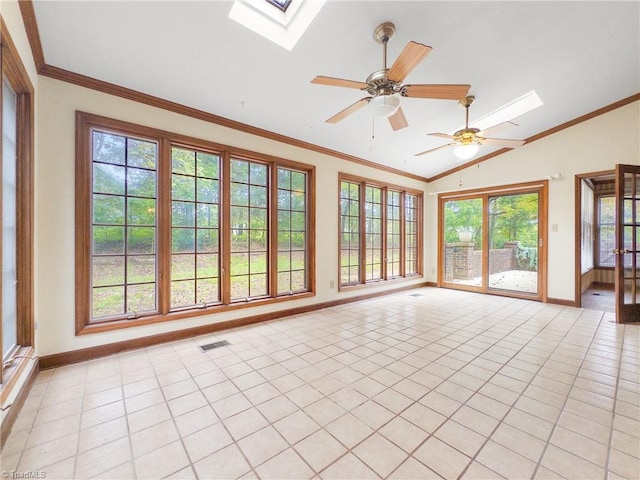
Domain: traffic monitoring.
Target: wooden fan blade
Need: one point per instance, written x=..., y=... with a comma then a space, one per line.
x=440, y=92
x=349, y=110
x=339, y=82
x=408, y=59
x=497, y=128
x=443, y=135
x=398, y=120
x=502, y=142
x=434, y=149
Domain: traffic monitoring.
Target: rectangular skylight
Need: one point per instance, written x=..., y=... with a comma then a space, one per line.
x=280, y=4
x=281, y=26
x=508, y=112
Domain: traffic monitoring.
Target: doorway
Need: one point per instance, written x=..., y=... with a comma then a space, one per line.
x=608, y=236
x=595, y=240
x=494, y=240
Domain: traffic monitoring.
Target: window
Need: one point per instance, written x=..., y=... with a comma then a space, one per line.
x=349, y=233
x=16, y=197
x=155, y=210
x=606, y=231
x=195, y=244
x=292, y=231
x=123, y=225
x=411, y=234
x=249, y=230
x=394, y=234
x=379, y=232
x=373, y=233
x=586, y=225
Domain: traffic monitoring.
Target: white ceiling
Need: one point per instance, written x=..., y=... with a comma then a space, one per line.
x=578, y=57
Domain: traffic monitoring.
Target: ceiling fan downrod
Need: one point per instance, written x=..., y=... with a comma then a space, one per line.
x=382, y=34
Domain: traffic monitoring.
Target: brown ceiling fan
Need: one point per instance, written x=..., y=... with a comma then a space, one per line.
x=386, y=86
x=467, y=140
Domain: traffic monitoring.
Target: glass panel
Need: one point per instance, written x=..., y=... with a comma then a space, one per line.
x=463, y=242
x=411, y=234
x=141, y=269
x=141, y=298
x=123, y=225
x=107, y=301
x=108, y=148
x=141, y=154
x=108, y=270
x=513, y=242
x=195, y=220
x=9, y=222
x=631, y=240
x=606, y=231
x=349, y=233
x=249, y=229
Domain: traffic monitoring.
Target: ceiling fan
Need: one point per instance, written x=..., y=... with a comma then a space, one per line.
x=386, y=86
x=467, y=140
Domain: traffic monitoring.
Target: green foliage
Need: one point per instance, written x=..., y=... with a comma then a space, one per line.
x=463, y=214
x=526, y=258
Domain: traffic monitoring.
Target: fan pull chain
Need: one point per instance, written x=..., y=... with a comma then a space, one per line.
x=373, y=125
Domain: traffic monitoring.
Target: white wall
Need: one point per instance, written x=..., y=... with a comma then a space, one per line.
x=595, y=145
x=55, y=295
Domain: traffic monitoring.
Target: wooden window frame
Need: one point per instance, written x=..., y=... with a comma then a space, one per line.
x=85, y=124
x=14, y=71
x=385, y=278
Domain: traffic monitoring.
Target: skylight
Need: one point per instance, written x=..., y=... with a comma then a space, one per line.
x=283, y=25
x=281, y=4
x=508, y=112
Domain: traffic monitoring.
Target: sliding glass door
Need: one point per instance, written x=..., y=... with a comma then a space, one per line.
x=491, y=241
x=514, y=242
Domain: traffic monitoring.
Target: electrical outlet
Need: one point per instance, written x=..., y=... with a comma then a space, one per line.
x=332, y=284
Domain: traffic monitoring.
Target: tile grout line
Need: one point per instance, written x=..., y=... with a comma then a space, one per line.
x=566, y=400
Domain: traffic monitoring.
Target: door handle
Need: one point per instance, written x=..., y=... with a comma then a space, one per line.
x=618, y=251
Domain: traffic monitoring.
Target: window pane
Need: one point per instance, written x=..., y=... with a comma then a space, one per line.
x=108, y=148
x=195, y=236
x=123, y=226
x=9, y=222
x=249, y=229
x=373, y=221
x=349, y=232
x=393, y=235
x=292, y=219
x=411, y=235
x=606, y=231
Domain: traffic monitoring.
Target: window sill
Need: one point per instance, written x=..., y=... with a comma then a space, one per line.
x=177, y=315
x=378, y=283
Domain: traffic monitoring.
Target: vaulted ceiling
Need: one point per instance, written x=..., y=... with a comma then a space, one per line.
x=578, y=57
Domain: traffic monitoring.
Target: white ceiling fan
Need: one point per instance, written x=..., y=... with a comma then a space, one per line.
x=467, y=140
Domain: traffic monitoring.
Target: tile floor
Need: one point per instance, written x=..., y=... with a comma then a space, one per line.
x=446, y=384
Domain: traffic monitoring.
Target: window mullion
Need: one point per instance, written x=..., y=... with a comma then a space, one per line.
x=164, y=227
x=225, y=224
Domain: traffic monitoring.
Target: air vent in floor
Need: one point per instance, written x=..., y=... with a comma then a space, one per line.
x=416, y=295
x=213, y=345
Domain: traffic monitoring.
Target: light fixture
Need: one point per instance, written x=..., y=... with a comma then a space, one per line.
x=384, y=105
x=466, y=150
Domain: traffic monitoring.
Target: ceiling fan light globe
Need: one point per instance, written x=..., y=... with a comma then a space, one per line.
x=465, y=152
x=384, y=105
